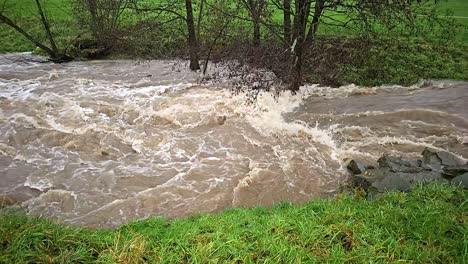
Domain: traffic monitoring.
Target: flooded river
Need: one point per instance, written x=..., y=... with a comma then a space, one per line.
x=104, y=142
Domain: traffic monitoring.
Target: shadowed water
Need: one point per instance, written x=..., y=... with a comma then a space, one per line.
x=102, y=143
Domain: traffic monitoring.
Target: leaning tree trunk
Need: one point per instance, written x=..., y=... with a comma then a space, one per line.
x=287, y=21
x=54, y=55
x=45, y=23
x=192, y=38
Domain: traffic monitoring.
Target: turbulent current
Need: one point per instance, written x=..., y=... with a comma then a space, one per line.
x=104, y=142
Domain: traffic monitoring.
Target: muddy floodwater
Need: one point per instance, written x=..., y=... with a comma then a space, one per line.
x=101, y=143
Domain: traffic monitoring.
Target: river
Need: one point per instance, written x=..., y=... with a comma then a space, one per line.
x=101, y=143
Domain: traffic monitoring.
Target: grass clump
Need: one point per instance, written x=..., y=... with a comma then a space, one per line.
x=428, y=225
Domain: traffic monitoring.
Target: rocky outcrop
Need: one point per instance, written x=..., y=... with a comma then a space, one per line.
x=398, y=174
x=358, y=166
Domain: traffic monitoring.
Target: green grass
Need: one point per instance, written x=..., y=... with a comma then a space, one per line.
x=457, y=8
x=24, y=13
x=428, y=225
x=66, y=28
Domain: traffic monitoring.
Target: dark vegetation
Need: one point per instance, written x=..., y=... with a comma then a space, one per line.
x=332, y=42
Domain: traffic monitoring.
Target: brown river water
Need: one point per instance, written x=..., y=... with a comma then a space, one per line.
x=101, y=143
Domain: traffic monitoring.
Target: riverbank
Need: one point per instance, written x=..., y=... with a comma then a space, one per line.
x=427, y=225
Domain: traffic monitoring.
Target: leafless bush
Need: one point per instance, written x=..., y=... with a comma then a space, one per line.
x=101, y=17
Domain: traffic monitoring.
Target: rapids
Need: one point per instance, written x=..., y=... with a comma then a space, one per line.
x=101, y=143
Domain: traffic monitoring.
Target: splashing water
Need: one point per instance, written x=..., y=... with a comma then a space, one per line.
x=102, y=143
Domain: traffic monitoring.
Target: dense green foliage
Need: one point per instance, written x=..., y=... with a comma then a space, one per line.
x=428, y=225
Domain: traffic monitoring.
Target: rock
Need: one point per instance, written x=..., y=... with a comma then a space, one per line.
x=393, y=182
x=454, y=171
x=362, y=181
x=383, y=179
x=398, y=164
x=357, y=166
x=424, y=177
x=439, y=159
x=461, y=180
x=398, y=174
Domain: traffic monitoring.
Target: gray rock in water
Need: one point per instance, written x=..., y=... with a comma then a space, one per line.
x=440, y=159
x=375, y=181
x=461, y=180
x=454, y=171
x=398, y=174
x=398, y=164
x=357, y=166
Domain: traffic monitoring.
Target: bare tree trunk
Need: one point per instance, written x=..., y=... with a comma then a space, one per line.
x=45, y=23
x=192, y=38
x=315, y=20
x=298, y=45
x=94, y=21
x=200, y=17
x=220, y=33
x=287, y=21
x=255, y=9
x=256, y=31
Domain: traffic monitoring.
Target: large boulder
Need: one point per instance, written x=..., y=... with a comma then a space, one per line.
x=393, y=182
x=398, y=164
x=381, y=180
x=437, y=159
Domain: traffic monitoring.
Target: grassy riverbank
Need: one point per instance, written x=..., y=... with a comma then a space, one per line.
x=427, y=225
